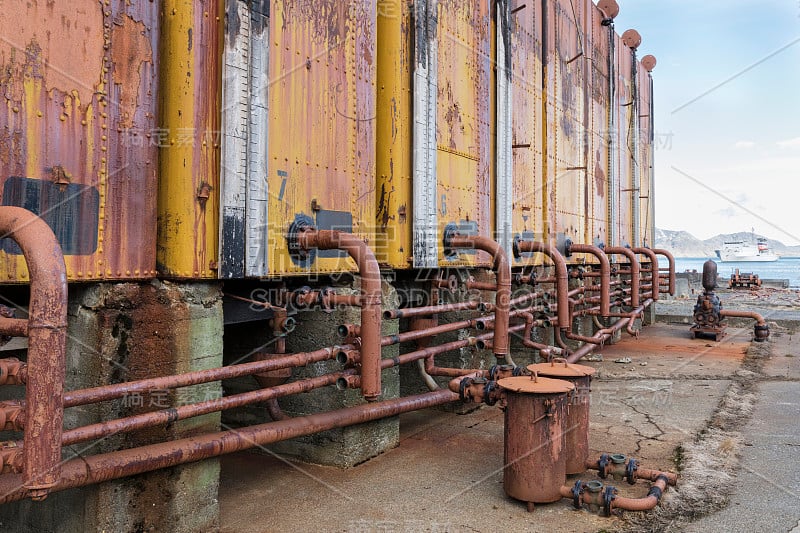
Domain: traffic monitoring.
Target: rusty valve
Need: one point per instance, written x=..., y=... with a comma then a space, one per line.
x=13, y=372
x=12, y=415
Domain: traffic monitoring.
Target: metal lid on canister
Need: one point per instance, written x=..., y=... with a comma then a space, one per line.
x=560, y=368
x=534, y=384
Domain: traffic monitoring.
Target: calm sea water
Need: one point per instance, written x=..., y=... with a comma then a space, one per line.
x=783, y=268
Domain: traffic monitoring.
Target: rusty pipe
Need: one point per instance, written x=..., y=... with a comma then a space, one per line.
x=430, y=310
x=502, y=268
x=13, y=371
x=671, y=261
x=642, y=504
x=370, y=299
x=114, y=465
x=605, y=273
x=587, y=348
x=168, y=416
x=653, y=269
x=635, y=270
x=760, y=330
x=47, y=329
x=118, y=390
x=631, y=473
x=562, y=277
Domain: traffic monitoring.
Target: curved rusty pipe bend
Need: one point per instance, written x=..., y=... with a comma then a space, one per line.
x=587, y=348
x=562, y=277
x=502, y=268
x=671, y=274
x=635, y=270
x=760, y=330
x=605, y=273
x=47, y=329
x=371, y=298
x=653, y=270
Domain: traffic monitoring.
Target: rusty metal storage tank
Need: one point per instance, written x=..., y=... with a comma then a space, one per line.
x=79, y=134
x=576, y=428
x=282, y=117
x=534, y=448
x=436, y=126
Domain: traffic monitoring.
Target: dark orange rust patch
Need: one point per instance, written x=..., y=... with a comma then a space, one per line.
x=130, y=48
x=69, y=36
x=599, y=177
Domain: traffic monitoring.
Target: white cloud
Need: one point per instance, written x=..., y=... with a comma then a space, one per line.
x=790, y=143
x=745, y=144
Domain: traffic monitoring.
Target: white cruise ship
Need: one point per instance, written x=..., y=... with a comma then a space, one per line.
x=745, y=251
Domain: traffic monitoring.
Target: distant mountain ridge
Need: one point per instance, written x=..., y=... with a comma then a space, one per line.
x=684, y=244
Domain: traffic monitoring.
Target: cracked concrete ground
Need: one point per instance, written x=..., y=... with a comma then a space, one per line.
x=679, y=404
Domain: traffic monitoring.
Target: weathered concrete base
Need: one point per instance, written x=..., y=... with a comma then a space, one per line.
x=122, y=332
x=344, y=447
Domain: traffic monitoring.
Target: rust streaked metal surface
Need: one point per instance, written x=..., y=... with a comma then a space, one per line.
x=534, y=446
x=98, y=468
x=79, y=132
x=599, y=160
x=567, y=179
x=322, y=91
x=625, y=153
x=189, y=98
x=527, y=127
x=47, y=329
x=464, y=127
x=576, y=428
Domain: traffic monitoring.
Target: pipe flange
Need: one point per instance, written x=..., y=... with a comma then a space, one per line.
x=488, y=389
x=300, y=256
x=609, y=495
x=450, y=231
x=630, y=471
x=577, y=492
x=602, y=465
x=760, y=333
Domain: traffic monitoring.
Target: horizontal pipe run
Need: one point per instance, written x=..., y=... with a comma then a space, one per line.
x=744, y=314
x=429, y=310
x=587, y=348
x=168, y=416
x=114, y=465
x=13, y=327
x=119, y=390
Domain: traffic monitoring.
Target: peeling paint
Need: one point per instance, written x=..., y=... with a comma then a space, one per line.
x=130, y=49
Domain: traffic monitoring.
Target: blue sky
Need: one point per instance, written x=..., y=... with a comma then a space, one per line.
x=742, y=139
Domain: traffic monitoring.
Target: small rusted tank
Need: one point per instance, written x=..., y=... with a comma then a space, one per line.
x=576, y=428
x=534, y=458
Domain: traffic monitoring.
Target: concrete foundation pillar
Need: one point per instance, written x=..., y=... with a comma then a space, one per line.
x=122, y=332
x=352, y=445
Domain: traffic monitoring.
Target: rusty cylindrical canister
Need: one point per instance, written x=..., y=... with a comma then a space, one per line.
x=534, y=458
x=576, y=428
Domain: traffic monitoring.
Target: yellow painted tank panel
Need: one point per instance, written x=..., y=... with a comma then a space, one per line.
x=393, y=136
x=188, y=202
x=321, y=122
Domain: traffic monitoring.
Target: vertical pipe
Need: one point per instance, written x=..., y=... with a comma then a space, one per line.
x=671, y=261
x=47, y=325
x=653, y=266
x=613, y=233
x=502, y=268
x=370, y=299
x=562, y=278
x=635, y=270
x=605, y=273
